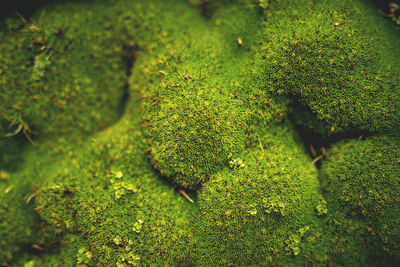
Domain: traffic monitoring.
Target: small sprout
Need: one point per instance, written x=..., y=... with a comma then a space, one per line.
x=29, y=264
x=296, y=251
x=118, y=174
x=84, y=256
x=117, y=240
x=41, y=62
x=293, y=244
x=263, y=4
x=4, y=175
x=137, y=226
x=303, y=230
x=275, y=207
x=321, y=208
x=253, y=212
x=236, y=163
x=121, y=188
x=128, y=259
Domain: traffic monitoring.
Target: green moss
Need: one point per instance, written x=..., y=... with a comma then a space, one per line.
x=195, y=135
x=73, y=251
x=107, y=192
x=58, y=77
x=20, y=226
x=264, y=212
x=335, y=59
x=361, y=184
x=205, y=108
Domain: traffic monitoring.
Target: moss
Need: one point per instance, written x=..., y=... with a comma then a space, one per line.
x=107, y=192
x=73, y=251
x=361, y=184
x=59, y=77
x=20, y=226
x=194, y=136
x=201, y=99
x=207, y=110
x=263, y=212
x=336, y=59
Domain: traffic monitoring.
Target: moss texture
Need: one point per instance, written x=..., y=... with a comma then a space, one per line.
x=361, y=184
x=336, y=60
x=266, y=208
x=110, y=110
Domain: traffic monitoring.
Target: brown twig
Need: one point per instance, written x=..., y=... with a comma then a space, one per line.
x=183, y=193
x=259, y=142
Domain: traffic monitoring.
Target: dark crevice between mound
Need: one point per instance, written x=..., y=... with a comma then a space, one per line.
x=130, y=52
x=316, y=144
x=204, y=7
x=192, y=194
x=12, y=149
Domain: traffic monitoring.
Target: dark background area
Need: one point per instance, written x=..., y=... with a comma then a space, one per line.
x=24, y=6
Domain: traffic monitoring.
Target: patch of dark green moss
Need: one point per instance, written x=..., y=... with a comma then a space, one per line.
x=337, y=59
x=361, y=179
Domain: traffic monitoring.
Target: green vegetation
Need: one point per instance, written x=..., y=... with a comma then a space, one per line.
x=336, y=60
x=264, y=209
x=361, y=181
x=165, y=133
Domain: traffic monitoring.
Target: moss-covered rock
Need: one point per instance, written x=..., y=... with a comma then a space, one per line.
x=336, y=60
x=361, y=181
x=58, y=77
x=20, y=226
x=262, y=212
x=107, y=192
x=205, y=114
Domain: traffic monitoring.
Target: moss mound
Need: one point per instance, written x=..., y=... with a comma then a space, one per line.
x=195, y=135
x=129, y=104
x=361, y=184
x=112, y=199
x=59, y=77
x=335, y=59
x=264, y=211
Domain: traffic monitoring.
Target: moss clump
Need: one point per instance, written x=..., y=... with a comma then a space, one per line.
x=361, y=181
x=196, y=121
x=194, y=135
x=202, y=112
x=73, y=251
x=20, y=227
x=107, y=192
x=263, y=212
x=335, y=59
x=58, y=77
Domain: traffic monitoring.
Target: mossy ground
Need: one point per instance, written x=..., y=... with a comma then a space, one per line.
x=112, y=109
